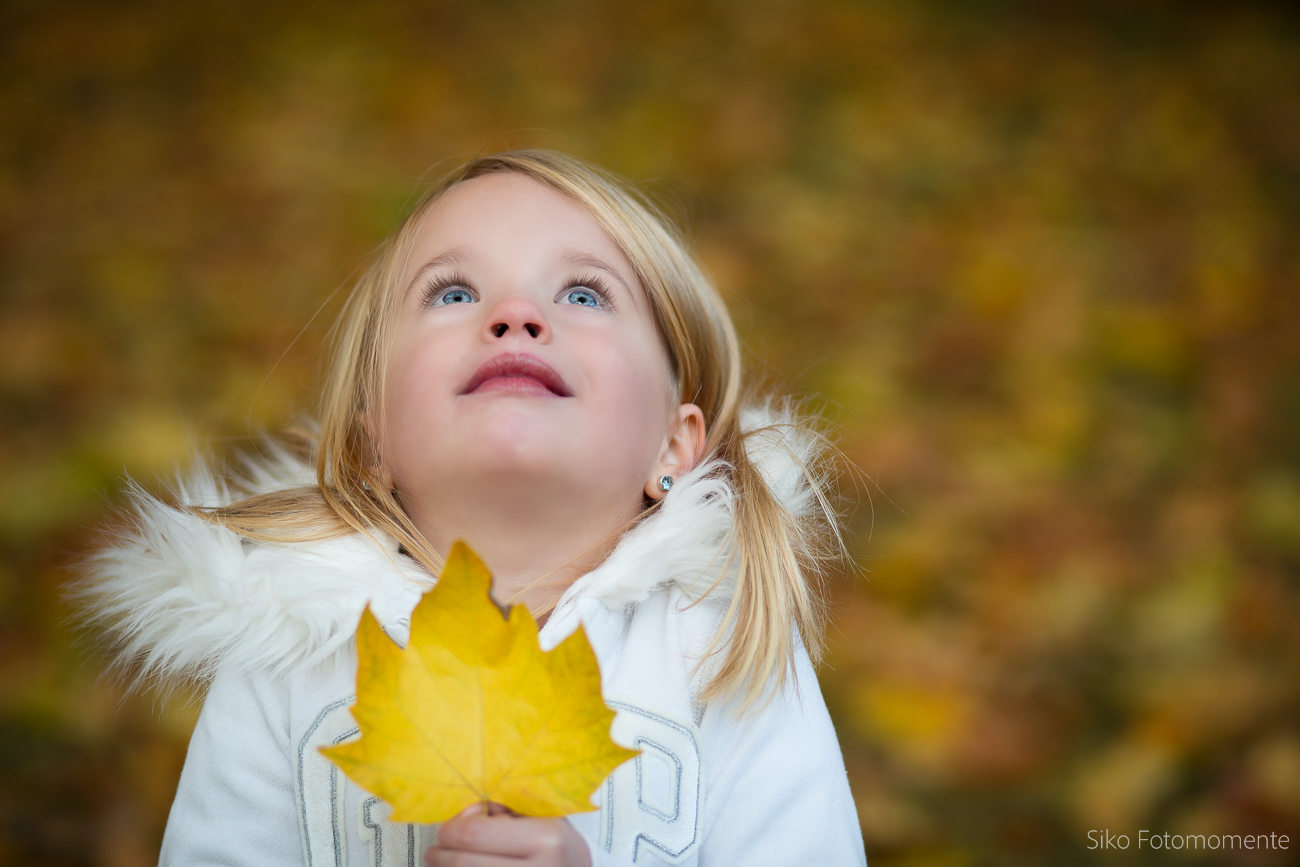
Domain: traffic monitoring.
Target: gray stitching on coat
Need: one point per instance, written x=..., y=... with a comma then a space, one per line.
x=695, y=828
x=334, y=800
x=609, y=813
x=379, y=832
x=370, y=822
x=302, y=749
x=677, y=788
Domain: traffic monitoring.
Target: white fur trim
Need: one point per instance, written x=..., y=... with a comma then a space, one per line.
x=182, y=596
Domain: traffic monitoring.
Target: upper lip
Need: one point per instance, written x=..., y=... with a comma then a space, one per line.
x=518, y=364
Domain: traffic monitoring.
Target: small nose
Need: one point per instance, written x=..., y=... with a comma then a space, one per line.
x=518, y=316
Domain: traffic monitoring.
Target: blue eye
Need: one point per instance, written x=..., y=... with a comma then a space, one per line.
x=454, y=295
x=583, y=296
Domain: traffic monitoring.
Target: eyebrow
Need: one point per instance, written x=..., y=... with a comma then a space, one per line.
x=458, y=254
x=454, y=256
x=588, y=261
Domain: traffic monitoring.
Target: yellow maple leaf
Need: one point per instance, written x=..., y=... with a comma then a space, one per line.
x=473, y=710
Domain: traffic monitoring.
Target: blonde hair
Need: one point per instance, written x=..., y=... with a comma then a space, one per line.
x=776, y=555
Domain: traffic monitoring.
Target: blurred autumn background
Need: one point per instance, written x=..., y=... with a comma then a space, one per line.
x=1038, y=261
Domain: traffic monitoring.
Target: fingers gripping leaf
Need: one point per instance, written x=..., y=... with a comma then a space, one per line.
x=473, y=710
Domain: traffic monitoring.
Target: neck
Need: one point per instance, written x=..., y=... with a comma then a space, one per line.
x=534, y=550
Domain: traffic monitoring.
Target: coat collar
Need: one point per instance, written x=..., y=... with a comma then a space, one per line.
x=180, y=597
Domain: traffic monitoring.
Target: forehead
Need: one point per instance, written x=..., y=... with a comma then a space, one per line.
x=507, y=212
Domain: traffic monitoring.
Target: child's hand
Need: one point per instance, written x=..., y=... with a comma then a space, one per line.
x=505, y=839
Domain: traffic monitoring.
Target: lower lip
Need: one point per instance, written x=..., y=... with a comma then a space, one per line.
x=520, y=385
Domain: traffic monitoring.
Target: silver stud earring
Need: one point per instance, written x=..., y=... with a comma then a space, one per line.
x=665, y=483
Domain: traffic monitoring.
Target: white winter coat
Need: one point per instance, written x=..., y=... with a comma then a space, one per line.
x=271, y=626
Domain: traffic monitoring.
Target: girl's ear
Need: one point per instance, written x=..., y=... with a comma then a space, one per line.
x=681, y=451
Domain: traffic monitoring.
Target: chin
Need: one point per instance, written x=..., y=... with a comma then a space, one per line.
x=513, y=458
x=526, y=447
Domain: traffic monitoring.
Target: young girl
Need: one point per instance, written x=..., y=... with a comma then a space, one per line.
x=534, y=364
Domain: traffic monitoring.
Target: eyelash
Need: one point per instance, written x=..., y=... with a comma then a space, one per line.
x=593, y=282
x=596, y=284
x=438, y=285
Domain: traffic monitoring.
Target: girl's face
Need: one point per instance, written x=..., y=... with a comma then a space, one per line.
x=526, y=367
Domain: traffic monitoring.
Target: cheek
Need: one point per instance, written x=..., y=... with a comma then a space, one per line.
x=412, y=392
x=635, y=392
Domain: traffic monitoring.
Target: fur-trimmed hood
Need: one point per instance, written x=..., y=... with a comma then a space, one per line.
x=179, y=596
